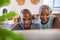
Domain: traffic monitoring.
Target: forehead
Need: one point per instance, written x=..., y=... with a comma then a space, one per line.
x=26, y=16
x=44, y=9
x=25, y=11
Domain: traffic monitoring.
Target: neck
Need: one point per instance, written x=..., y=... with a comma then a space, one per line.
x=44, y=23
x=27, y=28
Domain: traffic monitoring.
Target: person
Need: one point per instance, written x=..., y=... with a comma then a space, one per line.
x=35, y=19
x=26, y=21
x=46, y=20
x=5, y=10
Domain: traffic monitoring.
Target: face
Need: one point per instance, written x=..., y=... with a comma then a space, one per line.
x=27, y=20
x=45, y=14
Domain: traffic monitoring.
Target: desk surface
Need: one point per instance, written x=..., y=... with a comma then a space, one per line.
x=45, y=34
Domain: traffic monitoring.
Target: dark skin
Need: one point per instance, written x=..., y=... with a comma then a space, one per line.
x=45, y=15
x=56, y=23
x=27, y=19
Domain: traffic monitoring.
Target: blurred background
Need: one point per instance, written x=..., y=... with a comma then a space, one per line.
x=32, y=5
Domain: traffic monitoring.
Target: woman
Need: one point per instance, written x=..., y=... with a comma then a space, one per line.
x=46, y=20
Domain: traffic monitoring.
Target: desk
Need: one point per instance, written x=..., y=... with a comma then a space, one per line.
x=46, y=34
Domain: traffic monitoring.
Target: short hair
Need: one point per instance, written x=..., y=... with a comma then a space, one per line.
x=22, y=12
x=44, y=7
x=26, y=10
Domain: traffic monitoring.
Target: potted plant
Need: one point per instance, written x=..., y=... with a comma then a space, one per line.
x=4, y=3
x=10, y=35
x=4, y=33
x=5, y=16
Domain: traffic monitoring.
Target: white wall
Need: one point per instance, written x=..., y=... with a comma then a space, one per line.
x=50, y=3
x=33, y=8
x=15, y=7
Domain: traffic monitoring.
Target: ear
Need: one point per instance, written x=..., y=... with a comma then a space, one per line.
x=50, y=10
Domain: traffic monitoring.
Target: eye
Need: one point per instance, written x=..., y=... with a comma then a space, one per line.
x=47, y=14
x=29, y=19
x=24, y=19
x=42, y=15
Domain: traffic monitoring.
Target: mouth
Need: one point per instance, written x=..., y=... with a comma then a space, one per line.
x=44, y=21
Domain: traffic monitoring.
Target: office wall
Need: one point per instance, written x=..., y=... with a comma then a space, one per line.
x=13, y=6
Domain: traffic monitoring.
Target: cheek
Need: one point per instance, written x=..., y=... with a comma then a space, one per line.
x=30, y=22
x=24, y=22
x=27, y=22
x=44, y=18
x=41, y=17
x=48, y=18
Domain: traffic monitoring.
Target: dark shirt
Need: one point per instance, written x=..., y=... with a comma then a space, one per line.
x=20, y=26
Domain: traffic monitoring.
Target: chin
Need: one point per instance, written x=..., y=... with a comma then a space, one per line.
x=44, y=22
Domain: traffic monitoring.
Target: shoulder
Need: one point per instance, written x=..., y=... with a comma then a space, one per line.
x=56, y=23
x=56, y=19
x=16, y=26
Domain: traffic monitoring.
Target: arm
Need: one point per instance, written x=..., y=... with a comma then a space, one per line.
x=56, y=23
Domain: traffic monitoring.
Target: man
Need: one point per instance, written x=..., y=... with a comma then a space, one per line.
x=46, y=20
x=26, y=21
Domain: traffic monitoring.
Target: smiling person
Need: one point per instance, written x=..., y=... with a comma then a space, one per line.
x=46, y=20
x=26, y=21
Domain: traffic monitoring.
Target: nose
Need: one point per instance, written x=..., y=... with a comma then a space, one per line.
x=44, y=17
x=26, y=22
